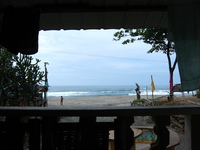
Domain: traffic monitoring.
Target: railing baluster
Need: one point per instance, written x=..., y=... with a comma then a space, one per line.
x=124, y=136
x=88, y=132
x=192, y=132
x=34, y=134
x=14, y=133
x=49, y=137
x=162, y=132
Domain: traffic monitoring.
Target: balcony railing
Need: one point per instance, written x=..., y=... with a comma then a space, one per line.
x=45, y=131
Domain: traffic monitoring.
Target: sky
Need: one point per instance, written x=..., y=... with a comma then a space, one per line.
x=92, y=57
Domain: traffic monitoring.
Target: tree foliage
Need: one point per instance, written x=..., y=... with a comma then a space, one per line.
x=19, y=79
x=157, y=37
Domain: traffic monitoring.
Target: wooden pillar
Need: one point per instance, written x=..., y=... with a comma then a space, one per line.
x=49, y=137
x=162, y=132
x=192, y=132
x=89, y=133
x=45, y=102
x=14, y=133
x=34, y=134
x=124, y=136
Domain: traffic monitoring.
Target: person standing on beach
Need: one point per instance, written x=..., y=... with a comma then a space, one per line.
x=61, y=100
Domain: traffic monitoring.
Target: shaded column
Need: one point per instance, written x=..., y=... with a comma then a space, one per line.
x=124, y=136
x=162, y=132
x=14, y=133
x=192, y=132
x=34, y=134
x=49, y=136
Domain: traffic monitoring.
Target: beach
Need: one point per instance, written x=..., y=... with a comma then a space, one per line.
x=111, y=101
x=92, y=101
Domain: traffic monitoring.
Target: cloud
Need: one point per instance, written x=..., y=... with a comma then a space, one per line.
x=92, y=57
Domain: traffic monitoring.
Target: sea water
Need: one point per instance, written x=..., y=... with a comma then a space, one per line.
x=107, y=90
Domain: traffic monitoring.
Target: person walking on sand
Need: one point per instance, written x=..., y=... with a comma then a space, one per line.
x=61, y=100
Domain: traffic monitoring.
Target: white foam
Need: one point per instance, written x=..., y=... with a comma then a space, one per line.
x=56, y=94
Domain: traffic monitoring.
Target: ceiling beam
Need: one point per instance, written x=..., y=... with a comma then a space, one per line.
x=78, y=8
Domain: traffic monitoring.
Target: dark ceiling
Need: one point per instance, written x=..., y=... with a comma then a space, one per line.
x=21, y=21
x=98, y=14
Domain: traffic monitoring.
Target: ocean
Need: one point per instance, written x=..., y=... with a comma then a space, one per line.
x=100, y=90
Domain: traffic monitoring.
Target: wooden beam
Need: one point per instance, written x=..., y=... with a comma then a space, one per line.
x=86, y=8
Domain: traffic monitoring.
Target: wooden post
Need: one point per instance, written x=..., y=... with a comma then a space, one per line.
x=14, y=133
x=124, y=136
x=192, y=132
x=89, y=134
x=49, y=138
x=34, y=134
x=162, y=132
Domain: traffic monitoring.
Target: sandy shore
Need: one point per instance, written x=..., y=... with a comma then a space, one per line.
x=106, y=101
x=94, y=101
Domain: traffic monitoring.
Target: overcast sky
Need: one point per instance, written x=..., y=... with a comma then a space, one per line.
x=91, y=57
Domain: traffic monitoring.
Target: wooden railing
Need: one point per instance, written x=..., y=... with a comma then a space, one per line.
x=44, y=131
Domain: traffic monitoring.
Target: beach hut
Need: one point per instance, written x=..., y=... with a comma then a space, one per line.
x=43, y=90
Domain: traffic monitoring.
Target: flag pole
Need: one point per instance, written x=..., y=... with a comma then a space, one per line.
x=147, y=91
x=152, y=98
x=152, y=89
